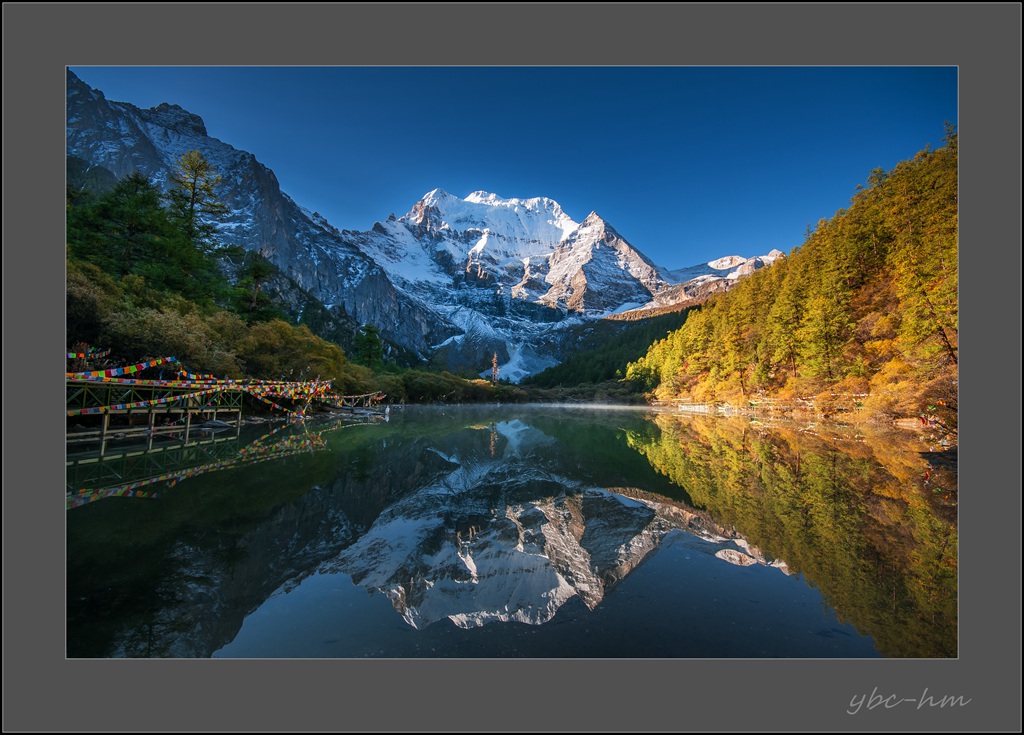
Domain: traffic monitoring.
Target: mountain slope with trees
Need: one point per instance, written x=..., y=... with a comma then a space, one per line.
x=865, y=311
x=604, y=349
x=147, y=277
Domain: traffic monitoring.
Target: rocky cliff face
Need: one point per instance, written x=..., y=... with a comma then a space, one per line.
x=455, y=280
x=123, y=138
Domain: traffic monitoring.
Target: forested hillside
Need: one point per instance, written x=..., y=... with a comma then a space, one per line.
x=606, y=350
x=864, y=312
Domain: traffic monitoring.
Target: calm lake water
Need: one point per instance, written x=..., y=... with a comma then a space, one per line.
x=512, y=531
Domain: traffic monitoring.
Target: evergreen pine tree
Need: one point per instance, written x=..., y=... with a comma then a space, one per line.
x=369, y=349
x=194, y=200
x=131, y=225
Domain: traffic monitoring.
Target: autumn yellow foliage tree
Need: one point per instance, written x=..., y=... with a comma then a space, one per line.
x=868, y=303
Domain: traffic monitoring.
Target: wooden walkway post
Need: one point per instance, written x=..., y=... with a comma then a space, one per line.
x=152, y=424
x=103, y=433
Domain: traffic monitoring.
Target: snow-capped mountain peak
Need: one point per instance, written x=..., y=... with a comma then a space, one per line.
x=528, y=249
x=437, y=197
x=483, y=197
x=538, y=218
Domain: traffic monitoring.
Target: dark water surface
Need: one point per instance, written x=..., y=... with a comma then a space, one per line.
x=511, y=531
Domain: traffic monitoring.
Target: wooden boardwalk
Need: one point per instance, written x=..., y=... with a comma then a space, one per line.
x=367, y=402
x=165, y=407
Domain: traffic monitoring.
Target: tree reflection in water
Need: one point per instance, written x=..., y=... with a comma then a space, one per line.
x=869, y=518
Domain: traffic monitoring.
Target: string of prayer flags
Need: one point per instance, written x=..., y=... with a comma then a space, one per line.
x=127, y=370
x=92, y=353
x=138, y=404
x=184, y=374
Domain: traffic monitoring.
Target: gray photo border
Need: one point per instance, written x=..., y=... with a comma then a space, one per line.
x=45, y=692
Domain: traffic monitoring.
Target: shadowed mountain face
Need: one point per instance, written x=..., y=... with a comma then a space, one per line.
x=454, y=280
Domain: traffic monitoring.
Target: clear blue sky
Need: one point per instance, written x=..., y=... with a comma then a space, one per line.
x=687, y=163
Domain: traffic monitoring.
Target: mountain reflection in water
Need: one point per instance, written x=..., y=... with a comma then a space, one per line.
x=537, y=531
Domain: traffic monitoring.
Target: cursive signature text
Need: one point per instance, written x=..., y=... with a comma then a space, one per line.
x=876, y=700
